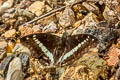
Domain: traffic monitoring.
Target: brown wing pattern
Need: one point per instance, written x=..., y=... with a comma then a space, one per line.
x=76, y=46
x=48, y=40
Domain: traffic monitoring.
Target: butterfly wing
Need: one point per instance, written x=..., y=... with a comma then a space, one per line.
x=52, y=49
x=76, y=46
x=42, y=46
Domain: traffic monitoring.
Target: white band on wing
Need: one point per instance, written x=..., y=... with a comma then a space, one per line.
x=62, y=58
x=44, y=49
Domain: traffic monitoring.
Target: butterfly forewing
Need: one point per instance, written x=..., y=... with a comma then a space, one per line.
x=42, y=46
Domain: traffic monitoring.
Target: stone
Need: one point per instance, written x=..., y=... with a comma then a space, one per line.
x=91, y=7
x=25, y=30
x=50, y=28
x=6, y=5
x=48, y=8
x=77, y=23
x=24, y=60
x=3, y=46
x=4, y=65
x=37, y=8
x=14, y=65
x=88, y=67
x=2, y=53
x=3, y=28
x=89, y=21
x=25, y=13
x=108, y=14
x=67, y=18
x=3, y=43
x=17, y=75
x=10, y=33
x=36, y=28
x=80, y=72
x=20, y=48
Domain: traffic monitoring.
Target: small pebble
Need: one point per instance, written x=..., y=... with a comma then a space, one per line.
x=15, y=64
x=37, y=8
x=9, y=33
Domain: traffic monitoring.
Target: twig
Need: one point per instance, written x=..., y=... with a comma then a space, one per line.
x=47, y=14
x=53, y=11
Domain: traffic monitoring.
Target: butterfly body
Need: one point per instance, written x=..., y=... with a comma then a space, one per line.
x=55, y=50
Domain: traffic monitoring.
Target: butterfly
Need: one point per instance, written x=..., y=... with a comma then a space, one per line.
x=51, y=49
